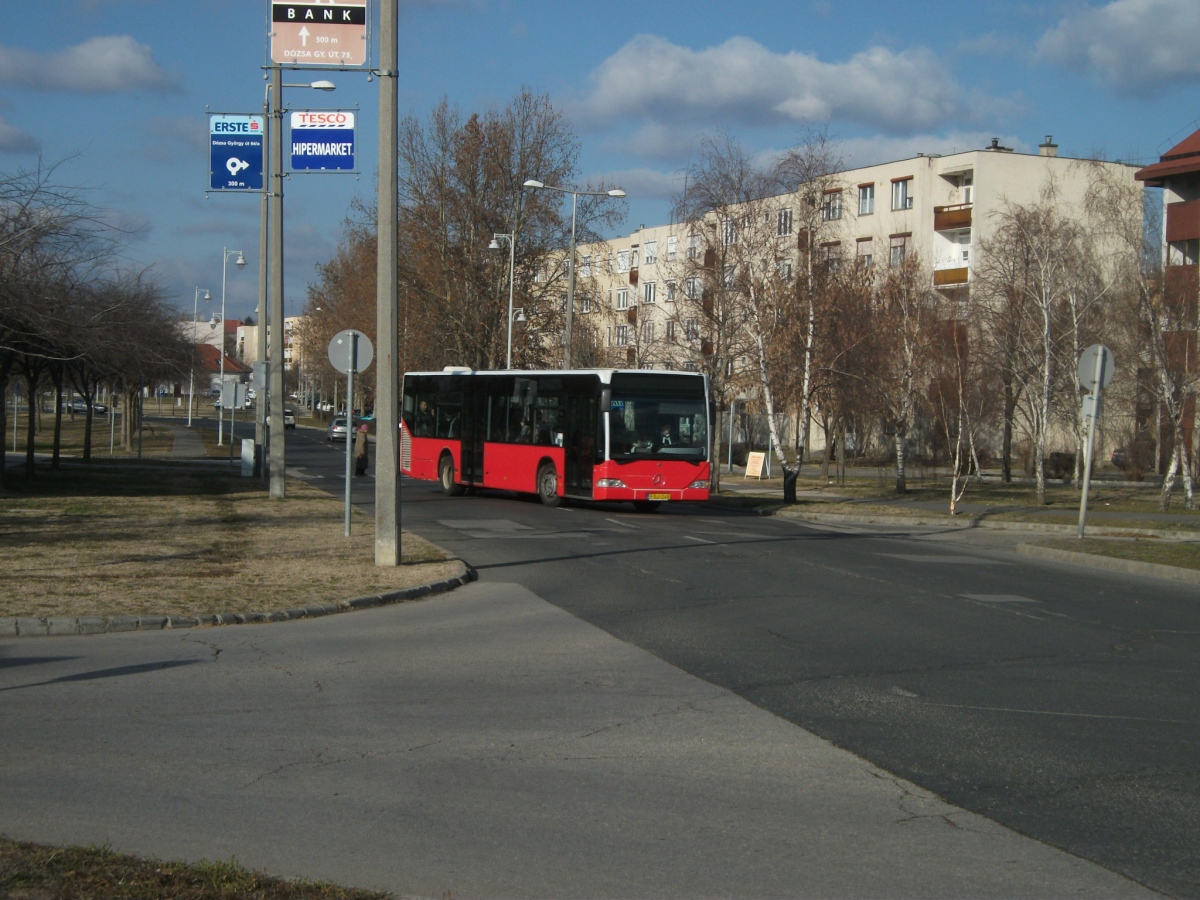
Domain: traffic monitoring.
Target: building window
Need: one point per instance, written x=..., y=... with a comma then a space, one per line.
x=671, y=330
x=831, y=255
x=689, y=366
x=691, y=288
x=672, y=244
x=623, y=298
x=651, y=252
x=783, y=223
x=585, y=266
x=633, y=257
x=1183, y=253
x=649, y=291
x=899, y=249
x=730, y=275
x=831, y=205
x=729, y=231
x=784, y=269
x=622, y=335
x=647, y=332
x=865, y=251
x=901, y=193
x=693, y=246
x=866, y=199
x=691, y=329
x=622, y=260
x=585, y=303
x=670, y=291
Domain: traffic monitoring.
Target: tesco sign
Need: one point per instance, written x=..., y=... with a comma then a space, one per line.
x=322, y=141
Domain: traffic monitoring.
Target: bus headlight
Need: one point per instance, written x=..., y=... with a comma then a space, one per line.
x=698, y=485
x=610, y=483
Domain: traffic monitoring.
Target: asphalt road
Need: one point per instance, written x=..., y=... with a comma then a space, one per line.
x=1057, y=701
x=489, y=744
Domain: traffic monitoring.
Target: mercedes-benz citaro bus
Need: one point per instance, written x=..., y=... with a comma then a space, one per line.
x=588, y=434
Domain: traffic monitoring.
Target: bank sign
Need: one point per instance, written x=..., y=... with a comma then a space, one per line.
x=322, y=141
x=235, y=160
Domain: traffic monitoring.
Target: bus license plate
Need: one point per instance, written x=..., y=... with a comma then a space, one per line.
x=658, y=496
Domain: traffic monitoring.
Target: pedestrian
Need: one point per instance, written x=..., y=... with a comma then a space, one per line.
x=360, y=450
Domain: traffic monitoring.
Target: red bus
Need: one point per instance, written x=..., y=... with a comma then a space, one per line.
x=587, y=434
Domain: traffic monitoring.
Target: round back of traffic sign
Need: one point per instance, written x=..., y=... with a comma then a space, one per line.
x=1097, y=354
x=347, y=354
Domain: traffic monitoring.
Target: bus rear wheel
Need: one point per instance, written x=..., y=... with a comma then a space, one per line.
x=645, y=506
x=446, y=477
x=547, y=485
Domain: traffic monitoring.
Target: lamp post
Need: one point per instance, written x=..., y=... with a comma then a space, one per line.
x=512, y=259
x=575, y=195
x=240, y=262
x=192, y=374
x=270, y=281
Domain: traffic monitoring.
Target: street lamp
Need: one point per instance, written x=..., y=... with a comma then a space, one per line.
x=270, y=279
x=512, y=250
x=192, y=375
x=240, y=262
x=539, y=186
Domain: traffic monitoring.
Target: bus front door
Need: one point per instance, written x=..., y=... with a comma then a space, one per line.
x=580, y=455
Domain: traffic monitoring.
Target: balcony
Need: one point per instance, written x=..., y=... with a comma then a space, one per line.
x=1183, y=221
x=951, y=218
x=950, y=277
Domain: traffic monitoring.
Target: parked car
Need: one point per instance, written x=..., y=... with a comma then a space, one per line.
x=289, y=419
x=79, y=405
x=337, y=430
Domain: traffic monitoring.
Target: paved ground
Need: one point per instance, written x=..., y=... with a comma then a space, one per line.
x=482, y=743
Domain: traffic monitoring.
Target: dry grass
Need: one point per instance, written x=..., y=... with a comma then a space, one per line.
x=33, y=872
x=1164, y=553
x=122, y=539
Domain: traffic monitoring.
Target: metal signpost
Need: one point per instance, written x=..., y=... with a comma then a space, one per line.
x=1095, y=372
x=322, y=140
x=350, y=351
x=235, y=158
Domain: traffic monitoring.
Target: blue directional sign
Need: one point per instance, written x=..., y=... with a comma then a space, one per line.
x=322, y=140
x=235, y=152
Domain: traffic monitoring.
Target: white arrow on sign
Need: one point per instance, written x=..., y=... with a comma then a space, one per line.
x=303, y=32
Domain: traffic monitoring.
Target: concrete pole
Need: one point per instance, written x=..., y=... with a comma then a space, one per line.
x=278, y=458
x=260, y=335
x=570, y=288
x=387, y=308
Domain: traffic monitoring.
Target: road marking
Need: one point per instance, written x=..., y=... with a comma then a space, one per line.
x=688, y=537
x=945, y=560
x=624, y=524
x=493, y=525
x=1000, y=598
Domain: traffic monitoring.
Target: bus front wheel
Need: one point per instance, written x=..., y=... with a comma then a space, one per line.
x=547, y=485
x=446, y=476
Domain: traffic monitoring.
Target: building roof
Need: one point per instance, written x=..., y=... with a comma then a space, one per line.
x=1182, y=159
x=208, y=359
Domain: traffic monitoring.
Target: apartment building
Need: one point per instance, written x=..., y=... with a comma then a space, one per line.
x=942, y=208
x=247, y=342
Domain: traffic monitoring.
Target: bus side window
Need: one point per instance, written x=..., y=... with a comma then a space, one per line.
x=448, y=410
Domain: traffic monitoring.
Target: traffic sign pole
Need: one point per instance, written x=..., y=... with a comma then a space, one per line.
x=1098, y=378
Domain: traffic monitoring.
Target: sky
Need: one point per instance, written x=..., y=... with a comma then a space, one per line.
x=114, y=93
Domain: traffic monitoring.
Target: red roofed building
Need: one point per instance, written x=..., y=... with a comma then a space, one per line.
x=208, y=368
x=1178, y=173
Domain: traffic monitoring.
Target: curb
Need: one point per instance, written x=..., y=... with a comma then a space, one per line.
x=1111, y=563
x=29, y=626
x=973, y=522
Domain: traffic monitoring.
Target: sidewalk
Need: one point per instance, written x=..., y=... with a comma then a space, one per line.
x=482, y=744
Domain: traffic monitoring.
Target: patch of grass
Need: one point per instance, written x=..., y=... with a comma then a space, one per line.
x=127, y=539
x=35, y=872
x=1164, y=553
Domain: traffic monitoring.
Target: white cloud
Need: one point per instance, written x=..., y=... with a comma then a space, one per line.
x=743, y=82
x=1133, y=45
x=14, y=140
x=98, y=65
x=644, y=184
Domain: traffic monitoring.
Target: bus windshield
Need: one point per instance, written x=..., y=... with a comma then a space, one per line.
x=656, y=417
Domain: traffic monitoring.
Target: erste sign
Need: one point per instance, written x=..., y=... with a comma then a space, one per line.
x=235, y=160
